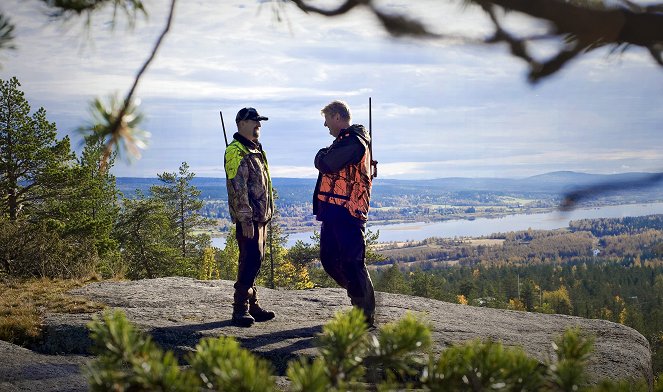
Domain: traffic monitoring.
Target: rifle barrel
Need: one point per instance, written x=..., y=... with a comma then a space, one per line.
x=224, y=128
x=374, y=163
x=370, y=127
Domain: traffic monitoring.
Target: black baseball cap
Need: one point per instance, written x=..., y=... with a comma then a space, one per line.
x=249, y=114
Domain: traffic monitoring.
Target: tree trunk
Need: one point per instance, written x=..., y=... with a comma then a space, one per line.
x=12, y=201
x=182, y=228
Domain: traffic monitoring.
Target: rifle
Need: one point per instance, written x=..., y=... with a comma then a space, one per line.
x=374, y=163
x=269, y=236
x=224, y=128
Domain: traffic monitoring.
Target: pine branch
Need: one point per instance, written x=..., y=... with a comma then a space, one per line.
x=119, y=126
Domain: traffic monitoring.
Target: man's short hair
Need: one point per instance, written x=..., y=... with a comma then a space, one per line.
x=337, y=107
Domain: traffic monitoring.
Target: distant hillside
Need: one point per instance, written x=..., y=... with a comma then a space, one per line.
x=292, y=189
x=554, y=182
x=295, y=190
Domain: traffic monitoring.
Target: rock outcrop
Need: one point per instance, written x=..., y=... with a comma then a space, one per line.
x=178, y=312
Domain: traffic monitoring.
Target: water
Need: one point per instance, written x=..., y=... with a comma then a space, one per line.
x=486, y=226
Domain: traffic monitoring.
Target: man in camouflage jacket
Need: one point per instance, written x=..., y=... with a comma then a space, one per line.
x=251, y=206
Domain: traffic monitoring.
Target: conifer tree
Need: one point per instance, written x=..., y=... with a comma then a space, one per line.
x=392, y=280
x=277, y=269
x=33, y=162
x=182, y=199
x=145, y=231
x=91, y=200
x=228, y=258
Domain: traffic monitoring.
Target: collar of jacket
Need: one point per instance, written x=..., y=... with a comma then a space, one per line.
x=354, y=129
x=248, y=143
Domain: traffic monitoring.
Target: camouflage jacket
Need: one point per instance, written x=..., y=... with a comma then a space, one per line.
x=248, y=181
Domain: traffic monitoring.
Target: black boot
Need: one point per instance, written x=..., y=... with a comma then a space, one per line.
x=258, y=313
x=241, y=315
x=367, y=307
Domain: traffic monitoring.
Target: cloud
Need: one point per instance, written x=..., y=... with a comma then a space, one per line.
x=439, y=108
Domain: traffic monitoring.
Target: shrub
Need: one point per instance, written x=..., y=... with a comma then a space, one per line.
x=395, y=357
x=129, y=361
x=34, y=250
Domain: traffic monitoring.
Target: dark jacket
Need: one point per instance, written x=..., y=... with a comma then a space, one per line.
x=345, y=150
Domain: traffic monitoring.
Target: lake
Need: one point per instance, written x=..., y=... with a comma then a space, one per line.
x=486, y=226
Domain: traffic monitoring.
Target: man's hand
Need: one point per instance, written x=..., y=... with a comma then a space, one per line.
x=247, y=229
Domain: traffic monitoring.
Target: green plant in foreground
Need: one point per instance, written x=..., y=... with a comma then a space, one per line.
x=223, y=365
x=481, y=366
x=129, y=361
x=395, y=357
x=572, y=351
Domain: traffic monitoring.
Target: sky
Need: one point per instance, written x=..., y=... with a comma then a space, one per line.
x=440, y=108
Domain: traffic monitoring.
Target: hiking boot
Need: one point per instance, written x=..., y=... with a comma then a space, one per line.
x=258, y=313
x=370, y=321
x=241, y=315
x=368, y=308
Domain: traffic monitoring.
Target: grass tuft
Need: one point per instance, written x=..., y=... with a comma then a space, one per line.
x=23, y=304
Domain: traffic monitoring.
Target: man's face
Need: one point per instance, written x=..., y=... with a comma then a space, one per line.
x=250, y=129
x=332, y=122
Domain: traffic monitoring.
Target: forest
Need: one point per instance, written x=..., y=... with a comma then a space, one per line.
x=610, y=269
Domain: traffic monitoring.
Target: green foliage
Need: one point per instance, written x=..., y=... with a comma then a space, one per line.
x=145, y=232
x=392, y=280
x=614, y=288
x=105, y=117
x=88, y=208
x=372, y=256
x=33, y=163
x=6, y=33
x=344, y=346
x=572, y=351
x=395, y=357
x=223, y=365
x=351, y=358
x=183, y=202
x=129, y=361
x=625, y=386
x=306, y=254
x=36, y=250
x=303, y=254
x=63, y=209
x=480, y=366
x=228, y=258
x=395, y=350
x=309, y=376
x=210, y=268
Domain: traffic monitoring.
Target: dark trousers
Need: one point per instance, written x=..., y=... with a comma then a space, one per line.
x=251, y=254
x=342, y=253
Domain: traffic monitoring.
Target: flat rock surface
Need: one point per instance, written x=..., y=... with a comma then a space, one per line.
x=178, y=312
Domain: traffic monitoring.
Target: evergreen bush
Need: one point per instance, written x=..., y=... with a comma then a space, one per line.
x=395, y=357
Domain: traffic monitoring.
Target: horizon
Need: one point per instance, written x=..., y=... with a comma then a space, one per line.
x=429, y=179
x=440, y=109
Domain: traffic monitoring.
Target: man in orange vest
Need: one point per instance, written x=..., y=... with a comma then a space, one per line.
x=341, y=201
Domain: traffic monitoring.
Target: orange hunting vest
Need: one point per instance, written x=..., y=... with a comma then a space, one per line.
x=349, y=188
